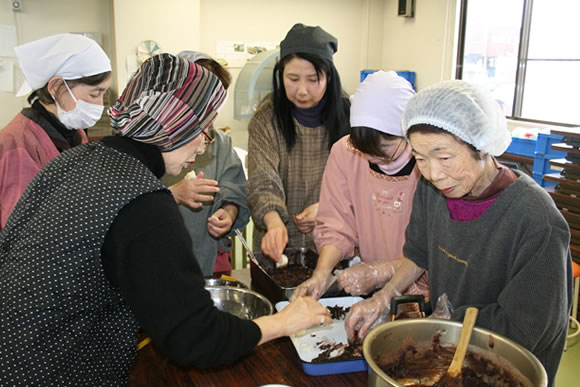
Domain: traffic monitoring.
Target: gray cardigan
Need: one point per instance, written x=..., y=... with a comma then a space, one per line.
x=513, y=263
x=220, y=162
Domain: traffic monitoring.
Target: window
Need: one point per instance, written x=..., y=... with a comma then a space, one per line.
x=527, y=53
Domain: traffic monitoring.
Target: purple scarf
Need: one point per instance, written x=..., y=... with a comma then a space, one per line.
x=312, y=117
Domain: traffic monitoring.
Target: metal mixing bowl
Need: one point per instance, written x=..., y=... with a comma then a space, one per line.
x=390, y=337
x=243, y=303
x=223, y=282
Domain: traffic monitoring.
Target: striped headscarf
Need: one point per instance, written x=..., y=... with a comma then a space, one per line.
x=167, y=103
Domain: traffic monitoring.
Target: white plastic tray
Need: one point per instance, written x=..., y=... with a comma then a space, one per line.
x=307, y=342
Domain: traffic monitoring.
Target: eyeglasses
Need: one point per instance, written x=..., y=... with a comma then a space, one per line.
x=208, y=140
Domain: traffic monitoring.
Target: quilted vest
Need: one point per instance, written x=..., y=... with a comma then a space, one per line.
x=61, y=321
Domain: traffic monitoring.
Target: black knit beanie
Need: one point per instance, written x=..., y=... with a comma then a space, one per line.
x=310, y=40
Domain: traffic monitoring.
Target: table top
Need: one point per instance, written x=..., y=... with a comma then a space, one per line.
x=275, y=362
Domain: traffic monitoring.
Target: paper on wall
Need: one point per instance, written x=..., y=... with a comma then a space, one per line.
x=132, y=65
x=7, y=76
x=7, y=40
x=235, y=53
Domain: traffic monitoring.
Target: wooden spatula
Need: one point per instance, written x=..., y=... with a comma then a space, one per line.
x=456, y=365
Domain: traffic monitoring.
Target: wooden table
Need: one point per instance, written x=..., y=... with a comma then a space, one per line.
x=275, y=362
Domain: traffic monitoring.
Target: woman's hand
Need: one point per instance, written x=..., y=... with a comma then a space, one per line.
x=306, y=220
x=322, y=277
x=364, y=315
x=358, y=279
x=276, y=238
x=363, y=278
x=192, y=193
x=221, y=221
x=299, y=314
x=315, y=286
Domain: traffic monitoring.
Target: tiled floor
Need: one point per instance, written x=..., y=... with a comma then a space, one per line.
x=569, y=371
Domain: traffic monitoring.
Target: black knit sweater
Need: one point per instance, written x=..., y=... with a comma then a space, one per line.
x=148, y=255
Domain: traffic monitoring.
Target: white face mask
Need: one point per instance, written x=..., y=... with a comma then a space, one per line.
x=83, y=116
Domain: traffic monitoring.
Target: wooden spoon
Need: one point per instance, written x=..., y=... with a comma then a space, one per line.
x=454, y=371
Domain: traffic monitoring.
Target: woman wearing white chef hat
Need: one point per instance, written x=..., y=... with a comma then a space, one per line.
x=367, y=193
x=68, y=76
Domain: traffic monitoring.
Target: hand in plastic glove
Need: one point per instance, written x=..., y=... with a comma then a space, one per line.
x=315, y=286
x=194, y=192
x=364, y=315
x=363, y=278
x=306, y=220
x=301, y=313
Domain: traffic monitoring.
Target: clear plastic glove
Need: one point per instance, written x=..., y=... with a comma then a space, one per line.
x=363, y=278
x=365, y=315
x=443, y=309
x=315, y=286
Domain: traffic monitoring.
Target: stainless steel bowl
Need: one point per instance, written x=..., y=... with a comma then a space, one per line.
x=243, y=303
x=223, y=282
x=390, y=338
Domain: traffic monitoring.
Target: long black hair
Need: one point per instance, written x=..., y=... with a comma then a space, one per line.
x=336, y=112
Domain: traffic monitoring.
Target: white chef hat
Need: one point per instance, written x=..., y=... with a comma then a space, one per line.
x=379, y=102
x=463, y=109
x=69, y=56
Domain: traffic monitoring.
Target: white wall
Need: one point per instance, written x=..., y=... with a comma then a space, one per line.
x=173, y=24
x=199, y=24
x=423, y=43
x=373, y=27
x=260, y=20
x=370, y=34
x=40, y=18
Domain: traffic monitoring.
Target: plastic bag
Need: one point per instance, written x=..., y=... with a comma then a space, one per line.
x=443, y=309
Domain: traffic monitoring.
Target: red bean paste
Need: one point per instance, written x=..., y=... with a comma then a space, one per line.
x=426, y=367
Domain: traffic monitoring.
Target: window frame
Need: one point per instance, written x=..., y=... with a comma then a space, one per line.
x=522, y=61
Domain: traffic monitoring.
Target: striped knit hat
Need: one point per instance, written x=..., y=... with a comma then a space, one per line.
x=167, y=103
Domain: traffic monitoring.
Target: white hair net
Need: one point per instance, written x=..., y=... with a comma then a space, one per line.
x=463, y=109
x=379, y=102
